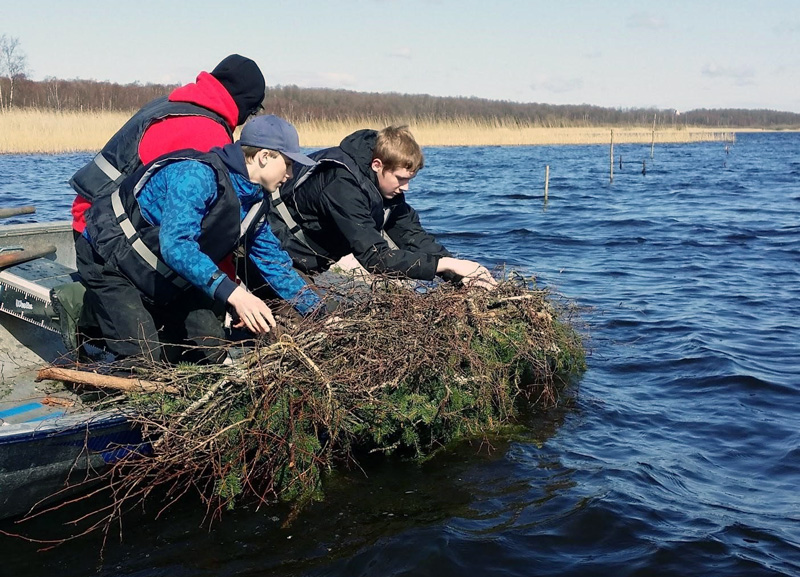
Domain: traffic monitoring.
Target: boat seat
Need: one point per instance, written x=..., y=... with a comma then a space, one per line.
x=25, y=291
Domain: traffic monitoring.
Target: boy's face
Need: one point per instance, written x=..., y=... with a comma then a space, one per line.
x=268, y=171
x=392, y=182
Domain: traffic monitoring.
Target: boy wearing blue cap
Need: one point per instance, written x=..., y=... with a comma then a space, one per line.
x=155, y=243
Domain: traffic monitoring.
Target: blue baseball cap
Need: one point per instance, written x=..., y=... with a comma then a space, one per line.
x=272, y=132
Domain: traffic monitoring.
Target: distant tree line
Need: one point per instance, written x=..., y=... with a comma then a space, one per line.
x=88, y=95
x=13, y=66
x=309, y=104
x=322, y=103
x=742, y=117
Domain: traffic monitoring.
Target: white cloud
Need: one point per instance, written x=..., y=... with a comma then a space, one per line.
x=338, y=79
x=645, y=20
x=741, y=75
x=401, y=53
x=318, y=80
x=546, y=83
x=787, y=27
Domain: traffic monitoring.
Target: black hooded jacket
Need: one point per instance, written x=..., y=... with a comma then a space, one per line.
x=342, y=212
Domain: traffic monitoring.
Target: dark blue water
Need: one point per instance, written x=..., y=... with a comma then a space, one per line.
x=679, y=451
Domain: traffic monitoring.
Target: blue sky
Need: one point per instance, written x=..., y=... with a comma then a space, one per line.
x=676, y=54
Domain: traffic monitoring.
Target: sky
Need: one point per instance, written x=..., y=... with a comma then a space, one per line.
x=615, y=53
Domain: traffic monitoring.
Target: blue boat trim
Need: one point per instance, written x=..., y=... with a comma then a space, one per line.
x=54, y=415
x=20, y=409
x=50, y=432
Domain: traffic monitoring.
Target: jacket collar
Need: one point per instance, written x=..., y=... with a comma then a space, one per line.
x=209, y=93
x=233, y=157
x=359, y=147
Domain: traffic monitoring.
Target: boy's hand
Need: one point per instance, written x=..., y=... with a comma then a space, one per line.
x=253, y=313
x=472, y=273
x=481, y=277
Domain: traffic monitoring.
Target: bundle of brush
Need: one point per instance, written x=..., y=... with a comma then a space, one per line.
x=403, y=370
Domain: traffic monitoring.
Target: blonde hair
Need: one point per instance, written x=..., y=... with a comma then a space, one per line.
x=396, y=148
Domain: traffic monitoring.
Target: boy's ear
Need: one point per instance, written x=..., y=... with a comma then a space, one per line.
x=377, y=165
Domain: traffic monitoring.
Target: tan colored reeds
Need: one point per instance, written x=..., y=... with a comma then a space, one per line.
x=476, y=132
x=47, y=131
x=27, y=130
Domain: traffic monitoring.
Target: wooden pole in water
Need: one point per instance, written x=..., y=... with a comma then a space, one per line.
x=7, y=212
x=653, y=141
x=18, y=257
x=546, y=180
x=611, y=174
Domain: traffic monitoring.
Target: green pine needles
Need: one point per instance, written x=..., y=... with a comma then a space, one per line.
x=401, y=371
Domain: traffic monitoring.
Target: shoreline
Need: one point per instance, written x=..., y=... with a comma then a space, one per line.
x=25, y=131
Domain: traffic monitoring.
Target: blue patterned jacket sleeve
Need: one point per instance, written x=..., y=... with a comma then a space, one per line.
x=178, y=197
x=275, y=266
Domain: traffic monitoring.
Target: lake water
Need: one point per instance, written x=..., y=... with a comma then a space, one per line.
x=678, y=452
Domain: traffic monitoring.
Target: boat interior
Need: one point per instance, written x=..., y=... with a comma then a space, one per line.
x=29, y=330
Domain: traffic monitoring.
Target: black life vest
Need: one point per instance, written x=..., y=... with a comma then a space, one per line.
x=327, y=158
x=120, y=156
x=337, y=157
x=121, y=235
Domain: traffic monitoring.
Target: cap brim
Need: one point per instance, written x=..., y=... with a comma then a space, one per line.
x=300, y=158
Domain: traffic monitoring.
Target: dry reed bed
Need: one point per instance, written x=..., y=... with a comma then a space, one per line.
x=28, y=131
x=478, y=133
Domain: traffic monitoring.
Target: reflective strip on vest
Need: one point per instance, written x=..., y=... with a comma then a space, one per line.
x=108, y=169
x=294, y=228
x=297, y=231
x=138, y=245
x=392, y=245
x=280, y=206
x=248, y=219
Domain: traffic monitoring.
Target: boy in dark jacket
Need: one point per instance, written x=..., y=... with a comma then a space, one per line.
x=353, y=201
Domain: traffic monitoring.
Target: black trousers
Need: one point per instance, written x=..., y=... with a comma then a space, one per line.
x=186, y=329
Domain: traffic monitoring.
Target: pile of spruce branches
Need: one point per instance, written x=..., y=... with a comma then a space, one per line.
x=398, y=369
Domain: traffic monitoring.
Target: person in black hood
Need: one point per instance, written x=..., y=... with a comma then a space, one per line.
x=199, y=115
x=243, y=80
x=353, y=201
